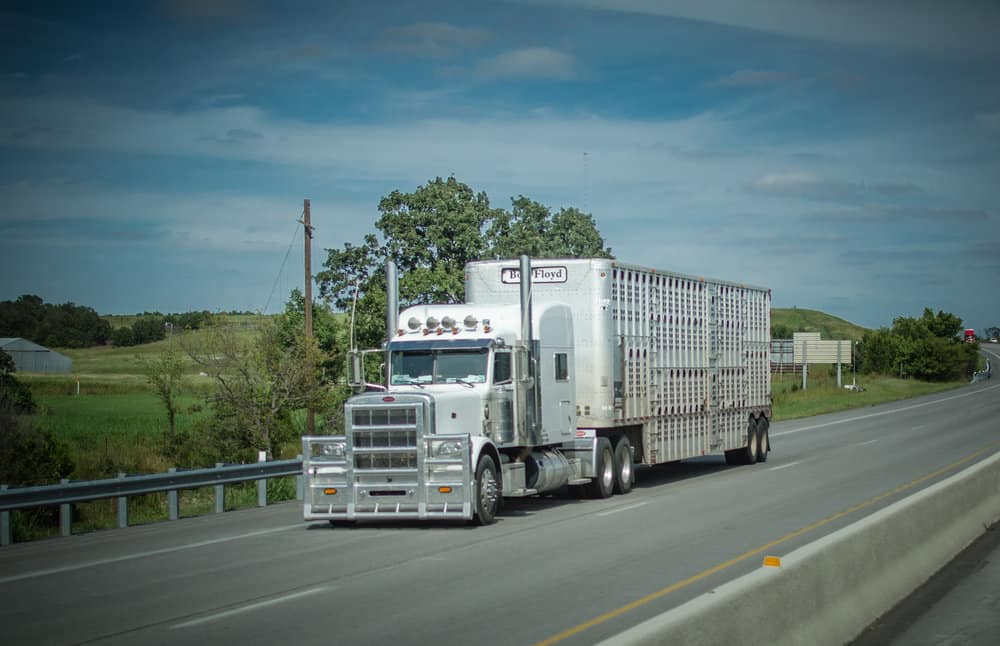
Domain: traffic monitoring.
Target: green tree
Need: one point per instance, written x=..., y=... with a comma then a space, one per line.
x=781, y=331
x=148, y=329
x=15, y=397
x=260, y=382
x=943, y=325
x=122, y=337
x=164, y=373
x=431, y=234
x=28, y=456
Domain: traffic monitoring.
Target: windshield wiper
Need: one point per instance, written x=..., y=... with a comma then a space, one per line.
x=410, y=382
x=464, y=382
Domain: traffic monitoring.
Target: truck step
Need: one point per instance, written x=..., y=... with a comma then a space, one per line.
x=578, y=481
x=521, y=493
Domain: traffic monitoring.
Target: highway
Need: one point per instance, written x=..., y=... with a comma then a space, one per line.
x=551, y=570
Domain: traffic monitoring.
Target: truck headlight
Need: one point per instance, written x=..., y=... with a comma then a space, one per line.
x=446, y=449
x=329, y=450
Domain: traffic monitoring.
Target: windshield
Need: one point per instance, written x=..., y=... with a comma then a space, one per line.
x=439, y=366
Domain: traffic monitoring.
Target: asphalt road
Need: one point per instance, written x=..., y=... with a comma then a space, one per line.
x=551, y=570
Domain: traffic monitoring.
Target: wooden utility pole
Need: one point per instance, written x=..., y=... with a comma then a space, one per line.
x=307, y=226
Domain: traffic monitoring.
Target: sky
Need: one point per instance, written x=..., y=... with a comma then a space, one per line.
x=154, y=156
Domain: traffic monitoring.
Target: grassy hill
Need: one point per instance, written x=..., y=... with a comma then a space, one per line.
x=829, y=327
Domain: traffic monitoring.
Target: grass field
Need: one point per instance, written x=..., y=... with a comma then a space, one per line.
x=823, y=395
x=829, y=327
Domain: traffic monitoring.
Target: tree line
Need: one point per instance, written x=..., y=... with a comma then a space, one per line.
x=927, y=348
x=69, y=325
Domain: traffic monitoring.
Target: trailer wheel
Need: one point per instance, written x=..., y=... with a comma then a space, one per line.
x=763, y=439
x=487, y=492
x=603, y=484
x=623, y=466
x=745, y=454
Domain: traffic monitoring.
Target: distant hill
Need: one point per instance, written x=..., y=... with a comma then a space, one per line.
x=829, y=327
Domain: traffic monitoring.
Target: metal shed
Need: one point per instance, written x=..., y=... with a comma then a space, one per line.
x=31, y=357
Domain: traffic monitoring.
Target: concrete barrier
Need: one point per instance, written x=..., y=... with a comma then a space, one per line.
x=829, y=591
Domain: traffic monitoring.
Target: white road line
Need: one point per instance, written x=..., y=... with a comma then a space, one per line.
x=141, y=555
x=249, y=607
x=885, y=412
x=868, y=442
x=785, y=466
x=618, y=509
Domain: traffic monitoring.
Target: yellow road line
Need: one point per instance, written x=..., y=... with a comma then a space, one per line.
x=642, y=601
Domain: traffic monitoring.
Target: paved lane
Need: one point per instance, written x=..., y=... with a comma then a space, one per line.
x=552, y=569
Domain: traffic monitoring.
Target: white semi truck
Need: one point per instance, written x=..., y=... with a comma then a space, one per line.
x=558, y=373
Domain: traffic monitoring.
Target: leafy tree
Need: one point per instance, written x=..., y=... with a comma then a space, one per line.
x=28, y=456
x=329, y=331
x=992, y=332
x=164, y=373
x=431, y=234
x=15, y=397
x=122, y=337
x=943, y=325
x=260, y=381
x=927, y=347
x=67, y=325
x=781, y=331
x=149, y=329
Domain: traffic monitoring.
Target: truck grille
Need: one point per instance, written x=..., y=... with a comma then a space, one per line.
x=384, y=438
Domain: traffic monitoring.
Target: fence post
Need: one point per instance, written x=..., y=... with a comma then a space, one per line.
x=262, y=483
x=65, y=515
x=5, y=537
x=173, y=500
x=300, y=485
x=220, y=493
x=122, y=507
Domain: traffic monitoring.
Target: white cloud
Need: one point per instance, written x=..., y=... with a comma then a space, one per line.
x=809, y=185
x=530, y=63
x=432, y=40
x=967, y=26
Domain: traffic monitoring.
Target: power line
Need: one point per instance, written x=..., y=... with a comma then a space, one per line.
x=281, y=270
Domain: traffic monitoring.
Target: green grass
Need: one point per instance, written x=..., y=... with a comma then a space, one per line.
x=829, y=327
x=823, y=395
x=108, y=433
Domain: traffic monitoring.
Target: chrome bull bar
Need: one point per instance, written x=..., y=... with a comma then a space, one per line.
x=387, y=474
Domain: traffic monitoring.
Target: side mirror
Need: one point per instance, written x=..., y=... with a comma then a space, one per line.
x=355, y=372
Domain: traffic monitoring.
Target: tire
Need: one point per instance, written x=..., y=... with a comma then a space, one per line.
x=603, y=484
x=763, y=439
x=487, y=492
x=745, y=454
x=624, y=472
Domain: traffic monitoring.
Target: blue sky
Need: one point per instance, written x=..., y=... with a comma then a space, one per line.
x=846, y=154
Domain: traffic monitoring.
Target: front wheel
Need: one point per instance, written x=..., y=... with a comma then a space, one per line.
x=603, y=484
x=623, y=466
x=487, y=491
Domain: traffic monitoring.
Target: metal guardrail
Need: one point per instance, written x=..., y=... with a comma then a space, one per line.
x=987, y=373
x=66, y=493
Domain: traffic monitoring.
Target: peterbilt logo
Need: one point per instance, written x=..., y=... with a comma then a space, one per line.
x=512, y=275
